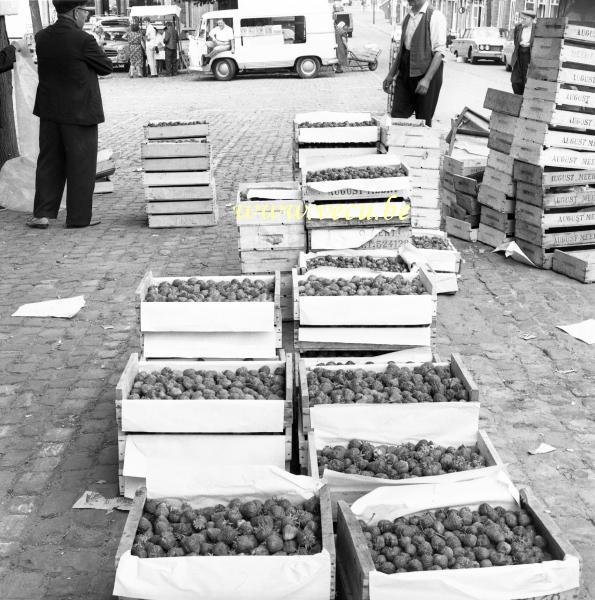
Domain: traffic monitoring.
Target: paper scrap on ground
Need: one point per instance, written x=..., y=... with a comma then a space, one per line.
x=527, y=336
x=99, y=502
x=542, y=449
x=62, y=307
x=512, y=250
x=584, y=331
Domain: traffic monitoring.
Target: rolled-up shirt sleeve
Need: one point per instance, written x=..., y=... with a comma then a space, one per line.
x=438, y=32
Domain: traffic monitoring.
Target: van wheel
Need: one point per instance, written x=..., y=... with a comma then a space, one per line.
x=307, y=67
x=373, y=65
x=224, y=69
x=471, y=58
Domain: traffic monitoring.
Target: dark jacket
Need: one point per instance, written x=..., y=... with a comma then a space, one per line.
x=170, y=38
x=421, y=53
x=68, y=62
x=518, y=30
x=7, y=58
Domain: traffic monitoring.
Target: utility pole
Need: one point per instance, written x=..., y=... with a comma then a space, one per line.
x=8, y=135
x=98, y=7
x=35, y=16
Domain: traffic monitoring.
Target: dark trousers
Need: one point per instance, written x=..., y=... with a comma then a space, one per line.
x=67, y=153
x=518, y=78
x=171, y=61
x=406, y=101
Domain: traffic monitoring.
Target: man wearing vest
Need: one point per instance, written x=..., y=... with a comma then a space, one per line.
x=521, y=57
x=419, y=63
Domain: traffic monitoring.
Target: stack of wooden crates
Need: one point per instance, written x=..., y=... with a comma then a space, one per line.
x=497, y=190
x=214, y=337
x=555, y=151
x=179, y=186
x=270, y=218
x=418, y=147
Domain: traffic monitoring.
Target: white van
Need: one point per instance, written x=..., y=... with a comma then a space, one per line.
x=268, y=34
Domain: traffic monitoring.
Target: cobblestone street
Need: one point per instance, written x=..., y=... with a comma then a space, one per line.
x=57, y=424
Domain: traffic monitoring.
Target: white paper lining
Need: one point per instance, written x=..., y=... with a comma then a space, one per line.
x=493, y=583
x=232, y=577
x=62, y=307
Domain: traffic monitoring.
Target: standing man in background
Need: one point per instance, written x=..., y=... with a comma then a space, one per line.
x=68, y=104
x=170, y=41
x=7, y=58
x=521, y=57
x=151, y=46
x=417, y=70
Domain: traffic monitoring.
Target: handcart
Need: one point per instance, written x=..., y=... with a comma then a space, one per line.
x=365, y=58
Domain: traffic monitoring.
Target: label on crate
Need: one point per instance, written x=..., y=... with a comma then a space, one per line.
x=567, y=178
x=564, y=139
x=569, y=200
x=569, y=238
x=578, y=54
x=570, y=159
x=575, y=98
x=568, y=219
x=563, y=118
x=580, y=33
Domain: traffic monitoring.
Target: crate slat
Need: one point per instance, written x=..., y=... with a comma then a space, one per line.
x=578, y=264
x=174, y=149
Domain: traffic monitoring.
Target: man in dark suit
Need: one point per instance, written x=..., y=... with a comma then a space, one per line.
x=521, y=56
x=170, y=41
x=69, y=106
x=7, y=58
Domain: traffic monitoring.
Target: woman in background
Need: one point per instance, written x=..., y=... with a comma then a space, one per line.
x=135, y=41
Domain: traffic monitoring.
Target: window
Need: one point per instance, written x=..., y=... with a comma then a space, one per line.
x=529, y=5
x=291, y=29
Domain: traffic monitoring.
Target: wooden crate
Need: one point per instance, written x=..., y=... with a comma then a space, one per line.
x=484, y=444
x=538, y=175
x=209, y=329
x=553, y=91
x=163, y=130
x=363, y=238
x=353, y=134
x=501, y=142
x=466, y=167
x=269, y=203
x=354, y=561
x=551, y=52
x=467, y=185
x=158, y=221
x=426, y=218
x=272, y=237
x=562, y=27
x=560, y=158
x=503, y=222
x=503, y=102
x=500, y=161
x=302, y=156
x=460, y=214
x=554, y=239
x=421, y=158
x=579, y=265
x=540, y=257
x=461, y=229
x=536, y=216
x=564, y=75
x=103, y=187
x=413, y=136
x=440, y=261
x=540, y=133
x=468, y=203
x=491, y=236
x=546, y=198
x=499, y=180
x=547, y=111
x=181, y=164
x=502, y=123
x=328, y=540
x=456, y=363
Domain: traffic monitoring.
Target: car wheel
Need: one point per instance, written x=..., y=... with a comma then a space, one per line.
x=373, y=65
x=307, y=67
x=456, y=53
x=224, y=69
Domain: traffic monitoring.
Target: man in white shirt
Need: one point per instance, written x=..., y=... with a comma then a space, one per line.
x=151, y=46
x=417, y=70
x=521, y=57
x=221, y=39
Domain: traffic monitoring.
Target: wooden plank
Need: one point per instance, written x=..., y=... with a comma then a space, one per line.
x=561, y=28
x=466, y=185
x=166, y=194
x=103, y=187
x=490, y=236
x=337, y=135
x=503, y=222
x=169, y=130
x=539, y=196
x=190, y=178
x=469, y=203
x=174, y=149
x=184, y=220
x=272, y=237
x=426, y=218
x=179, y=207
x=503, y=102
x=535, y=215
x=410, y=137
x=578, y=264
x=561, y=158
x=178, y=164
x=493, y=198
x=131, y=525
x=424, y=158
x=460, y=229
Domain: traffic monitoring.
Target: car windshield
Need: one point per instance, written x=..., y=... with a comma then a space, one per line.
x=486, y=32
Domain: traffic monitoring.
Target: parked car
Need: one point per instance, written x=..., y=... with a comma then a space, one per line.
x=507, y=50
x=116, y=46
x=479, y=43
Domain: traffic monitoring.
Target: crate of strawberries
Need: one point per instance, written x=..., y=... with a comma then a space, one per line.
x=478, y=539
x=255, y=533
